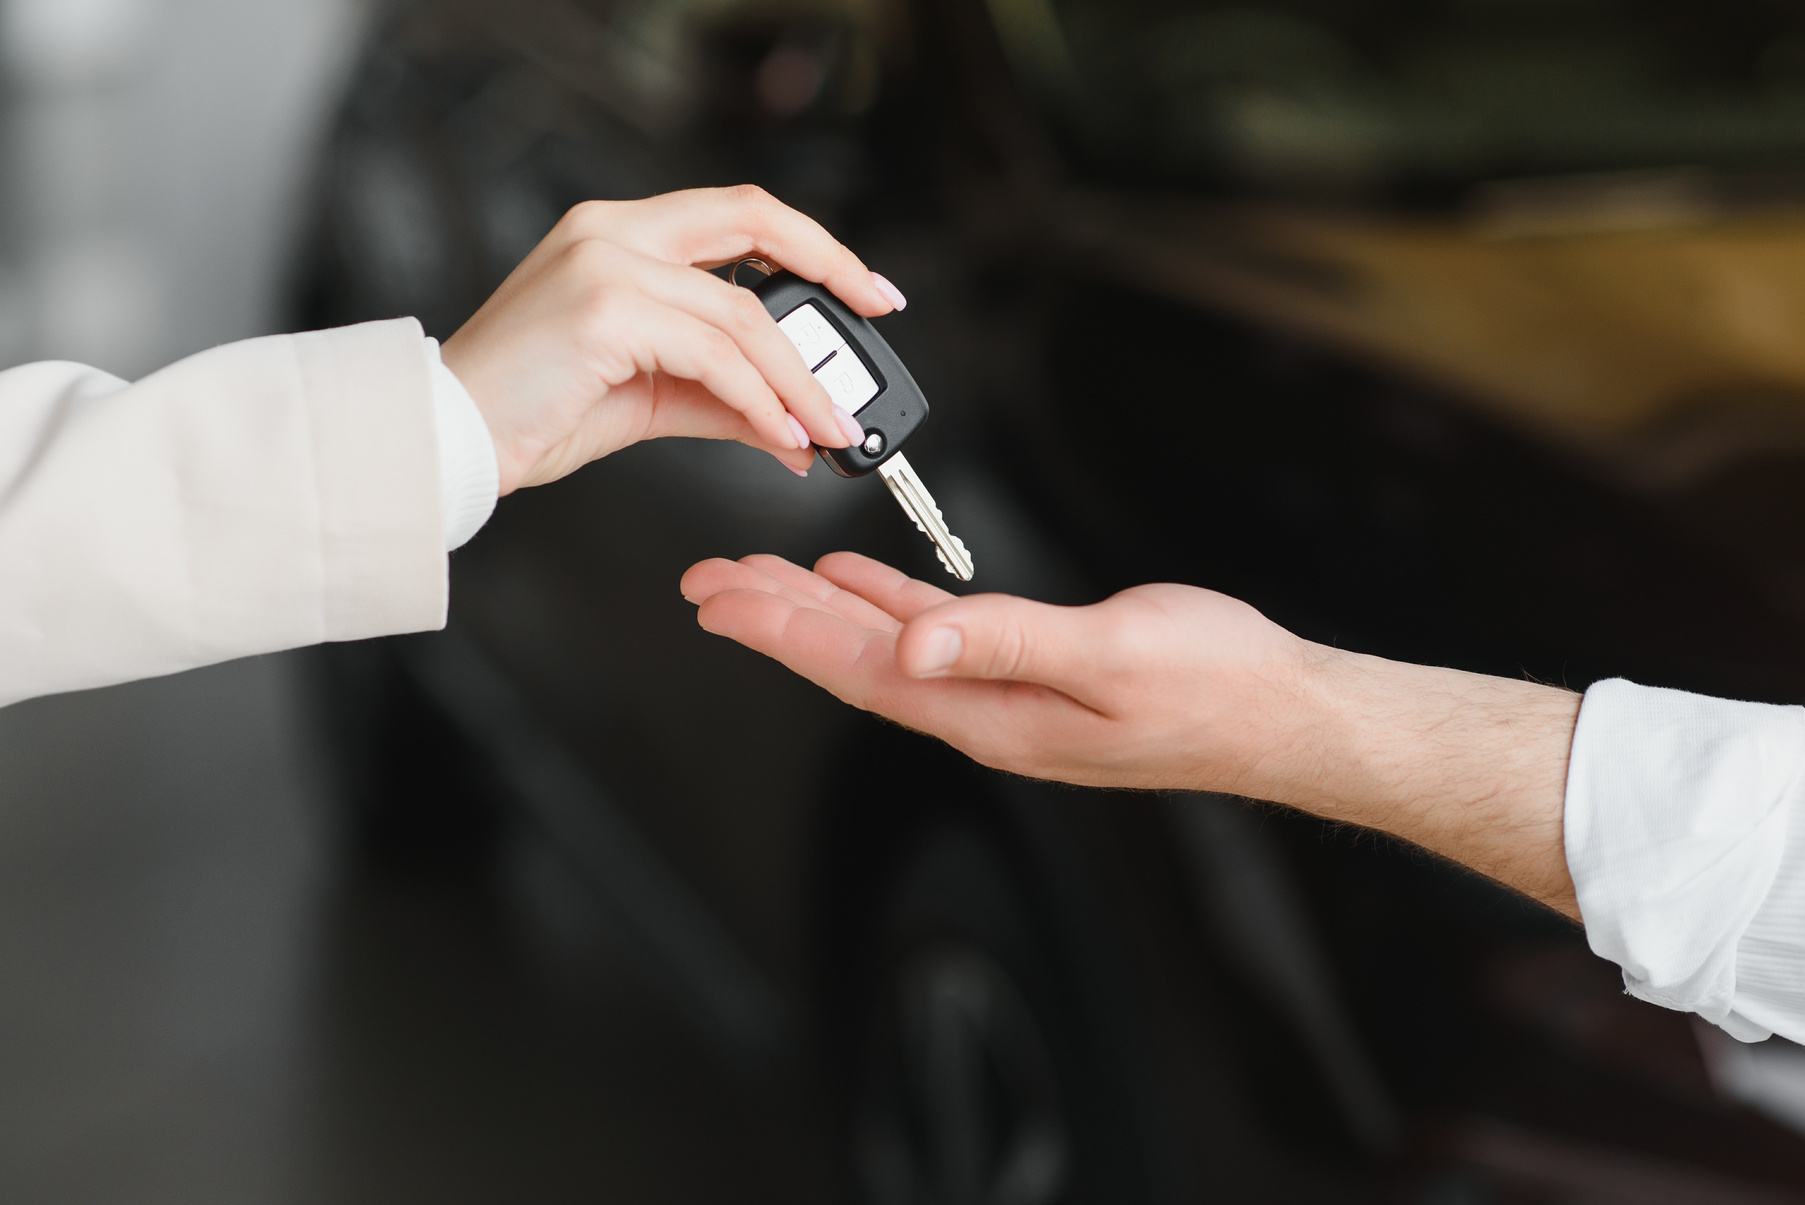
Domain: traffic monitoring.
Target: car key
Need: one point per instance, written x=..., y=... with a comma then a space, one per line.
x=867, y=380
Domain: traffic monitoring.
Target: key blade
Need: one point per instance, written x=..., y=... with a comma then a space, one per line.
x=919, y=505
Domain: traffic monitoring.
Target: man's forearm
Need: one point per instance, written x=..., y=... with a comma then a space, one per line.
x=1171, y=687
x=1675, y=818
x=1471, y=767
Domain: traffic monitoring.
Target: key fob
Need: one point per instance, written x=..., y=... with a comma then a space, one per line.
x=849, y=357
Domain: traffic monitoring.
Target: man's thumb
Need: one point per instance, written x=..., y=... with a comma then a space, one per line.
x=994, y=636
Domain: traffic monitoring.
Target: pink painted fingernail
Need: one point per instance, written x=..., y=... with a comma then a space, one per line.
x=938, y=652
x=891, y=293
x=794, y=469
x=802, y=439
x=849, y=427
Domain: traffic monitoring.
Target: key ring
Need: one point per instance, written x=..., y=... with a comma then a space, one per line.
x=761, y=265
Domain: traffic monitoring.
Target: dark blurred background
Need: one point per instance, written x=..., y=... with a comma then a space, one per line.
x=1479, y=328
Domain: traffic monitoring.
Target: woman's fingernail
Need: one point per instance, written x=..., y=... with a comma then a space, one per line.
x=938, y=652
x=802, y=439
x=849, y=427
x=891, y=293
x=794, y=469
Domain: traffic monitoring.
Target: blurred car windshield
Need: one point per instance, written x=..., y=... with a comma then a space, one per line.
x=1411, y=98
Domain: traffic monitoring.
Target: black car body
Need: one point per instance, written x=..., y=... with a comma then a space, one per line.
x=1455, y=333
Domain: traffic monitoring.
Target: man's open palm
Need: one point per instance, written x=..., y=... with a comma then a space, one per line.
x=1160, y=686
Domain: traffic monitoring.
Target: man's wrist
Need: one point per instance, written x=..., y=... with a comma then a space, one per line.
x=1276, y=733
x=1321, y=757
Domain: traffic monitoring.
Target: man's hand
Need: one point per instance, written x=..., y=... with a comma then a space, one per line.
x=1105, y=695
x=611, y=332
x=1175, y=687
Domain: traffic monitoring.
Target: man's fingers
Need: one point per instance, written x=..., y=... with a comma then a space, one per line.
x=705, y=579
x=773, y=574
x=1003, y=638
x=890, y=590
x=995, y=637
x=848, y=659
x=716, y=575
x=1023, y=727
x=854, y=663
x=843, y=602
x=717, y=225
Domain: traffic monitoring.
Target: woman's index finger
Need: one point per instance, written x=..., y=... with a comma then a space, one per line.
x=720, y=225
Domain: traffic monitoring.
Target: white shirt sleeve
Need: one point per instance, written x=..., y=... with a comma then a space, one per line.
x=469, y=477
x=1683, y=846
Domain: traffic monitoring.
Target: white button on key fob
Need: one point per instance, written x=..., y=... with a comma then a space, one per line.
x=854, y=364
x=813, y=335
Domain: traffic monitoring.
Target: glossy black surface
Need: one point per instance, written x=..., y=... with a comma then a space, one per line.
x=899, y=408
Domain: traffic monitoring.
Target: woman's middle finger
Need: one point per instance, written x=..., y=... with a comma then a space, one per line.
x=742, y=317
x=664, y=338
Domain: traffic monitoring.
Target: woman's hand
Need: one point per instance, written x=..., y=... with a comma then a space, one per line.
x=611, y=332
x=1178, y=688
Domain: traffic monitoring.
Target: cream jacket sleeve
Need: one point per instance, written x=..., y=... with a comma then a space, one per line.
x=260, y=496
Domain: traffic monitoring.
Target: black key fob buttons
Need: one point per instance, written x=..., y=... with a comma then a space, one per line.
x=849, y=358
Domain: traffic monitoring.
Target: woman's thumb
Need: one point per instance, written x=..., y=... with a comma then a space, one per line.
x=994, y=636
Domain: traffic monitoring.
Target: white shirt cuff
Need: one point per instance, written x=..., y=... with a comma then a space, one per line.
x=469, y=475
x=1689, y=872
